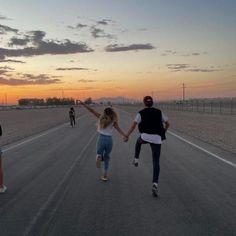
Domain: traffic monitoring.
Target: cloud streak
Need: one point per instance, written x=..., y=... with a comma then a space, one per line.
x=14, y=41
x=29, y=79
x=47, y=47
x=104, y=22
x=99, y=33
x=73, y=68
x=132, y=47
x=12, y=61
x=78, y=26
x=86, y=81
x=95, y=30
x=36, y=45
x=4, y=18
x=5, y=29
x=188, y=68
x=175, y=53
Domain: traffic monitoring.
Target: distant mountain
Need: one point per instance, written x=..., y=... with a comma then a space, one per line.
x=115, y=100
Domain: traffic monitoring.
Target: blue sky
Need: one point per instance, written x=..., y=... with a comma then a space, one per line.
x=163, y=43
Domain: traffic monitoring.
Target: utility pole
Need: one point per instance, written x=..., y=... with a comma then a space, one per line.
x=152, y=95
x=183, y=87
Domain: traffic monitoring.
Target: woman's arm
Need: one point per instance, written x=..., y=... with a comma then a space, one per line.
x=90, y=109
x=117, y=127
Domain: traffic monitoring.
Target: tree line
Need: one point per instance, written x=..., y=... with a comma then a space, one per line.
x=47, y=102
x=51, y=101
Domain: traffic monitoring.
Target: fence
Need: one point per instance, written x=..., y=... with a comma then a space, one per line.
x=227, y=107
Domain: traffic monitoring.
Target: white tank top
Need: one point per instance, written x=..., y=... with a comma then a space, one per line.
x=106, y=131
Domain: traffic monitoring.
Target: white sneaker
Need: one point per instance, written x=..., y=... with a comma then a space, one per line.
x=3, y=189
x=104, y=178
x=135, y=162
x=155, y=189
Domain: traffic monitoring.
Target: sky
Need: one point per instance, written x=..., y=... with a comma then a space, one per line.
x=129, y=48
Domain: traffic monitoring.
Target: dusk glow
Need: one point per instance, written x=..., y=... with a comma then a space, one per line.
x=130, y=48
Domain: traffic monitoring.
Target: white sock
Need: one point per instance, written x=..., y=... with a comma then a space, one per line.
x=135, y=160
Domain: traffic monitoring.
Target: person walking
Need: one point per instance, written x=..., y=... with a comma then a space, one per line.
x=106, y=123
x=152, y=125
x=3, y=188
x=72, y=116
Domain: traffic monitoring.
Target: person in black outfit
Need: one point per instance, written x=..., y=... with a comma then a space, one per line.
x=72, y=116
x=152, y=125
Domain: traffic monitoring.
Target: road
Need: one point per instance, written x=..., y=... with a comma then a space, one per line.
x=54, y=187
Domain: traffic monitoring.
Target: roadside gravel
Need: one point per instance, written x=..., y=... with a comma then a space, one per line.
x=19, y=124
x=218, y=130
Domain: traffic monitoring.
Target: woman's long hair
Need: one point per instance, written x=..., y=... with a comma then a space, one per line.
x=109, y=116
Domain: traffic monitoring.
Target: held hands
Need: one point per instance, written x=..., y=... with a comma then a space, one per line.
x=125, y=138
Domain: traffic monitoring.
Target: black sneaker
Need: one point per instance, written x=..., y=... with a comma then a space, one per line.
x=155, y=190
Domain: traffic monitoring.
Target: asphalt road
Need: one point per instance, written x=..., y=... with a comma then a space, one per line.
x=54, y=187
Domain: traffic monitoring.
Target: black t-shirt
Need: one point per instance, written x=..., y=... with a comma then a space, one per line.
x=71, y=113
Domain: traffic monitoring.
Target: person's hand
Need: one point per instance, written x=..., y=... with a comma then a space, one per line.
x=125, y=138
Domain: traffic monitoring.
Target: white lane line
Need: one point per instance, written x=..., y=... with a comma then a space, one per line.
x=202, y=149
x=37, y=136
x=53, y=194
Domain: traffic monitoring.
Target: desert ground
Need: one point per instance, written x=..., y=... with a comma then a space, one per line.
x=219, y=130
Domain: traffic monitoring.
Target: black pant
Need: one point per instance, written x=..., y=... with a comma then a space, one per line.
x=72, y=120
x=156, y=151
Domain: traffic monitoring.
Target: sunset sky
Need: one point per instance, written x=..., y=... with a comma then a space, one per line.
x=107, y=48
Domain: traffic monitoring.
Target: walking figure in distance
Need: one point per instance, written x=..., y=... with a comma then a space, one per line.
x=3, y=188
x=72, y=116
x=152, y=125
x=107, y=121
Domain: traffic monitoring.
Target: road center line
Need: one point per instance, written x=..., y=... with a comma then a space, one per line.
x=53, y=194
x=202, y=149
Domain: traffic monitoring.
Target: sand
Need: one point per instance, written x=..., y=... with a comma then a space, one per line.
x=19, y=124
x=219, y=130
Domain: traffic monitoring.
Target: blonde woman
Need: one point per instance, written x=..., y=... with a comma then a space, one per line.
x=107, y=121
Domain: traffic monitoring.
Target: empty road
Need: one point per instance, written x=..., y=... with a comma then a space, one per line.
x=54, y=186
